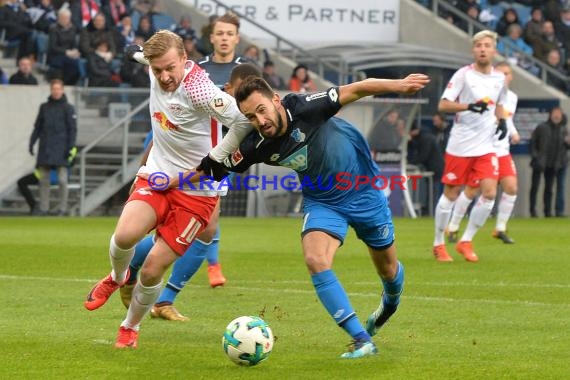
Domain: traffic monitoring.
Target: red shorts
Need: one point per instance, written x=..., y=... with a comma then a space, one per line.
x=179, y=217
x=507, y=167
x=469, y=170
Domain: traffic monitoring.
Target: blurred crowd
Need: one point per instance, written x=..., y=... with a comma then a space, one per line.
x=540, y=29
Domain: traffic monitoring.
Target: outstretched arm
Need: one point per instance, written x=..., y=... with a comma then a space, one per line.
x=372, y=86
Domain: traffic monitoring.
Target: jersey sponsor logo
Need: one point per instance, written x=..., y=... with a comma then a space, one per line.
x=175, y=109
x=297, y=135
x=317, y=95
x=219, y=104
x=333, y=95
x=297, y=161
x=163, y=121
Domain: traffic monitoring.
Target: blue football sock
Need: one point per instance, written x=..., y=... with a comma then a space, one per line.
x=183, y=270
x=141, y=252
x=334, y=299
x=213, y=249
x=393, y=288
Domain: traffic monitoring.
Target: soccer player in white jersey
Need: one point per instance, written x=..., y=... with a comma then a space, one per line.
x=182, y=102
x=507, y=171
x=476, y=94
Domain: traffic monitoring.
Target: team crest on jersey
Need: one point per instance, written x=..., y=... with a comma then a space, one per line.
x=165, y=124
x=297, y=135
x=297, y=161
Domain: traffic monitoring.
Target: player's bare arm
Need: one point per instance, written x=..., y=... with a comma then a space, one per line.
x=409, y=85
x=449, y=106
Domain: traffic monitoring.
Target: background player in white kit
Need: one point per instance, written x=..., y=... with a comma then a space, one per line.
x=182, y=102
x=507, y=171
x=476, y=94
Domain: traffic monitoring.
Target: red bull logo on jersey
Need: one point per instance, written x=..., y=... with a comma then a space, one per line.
x=165, y=124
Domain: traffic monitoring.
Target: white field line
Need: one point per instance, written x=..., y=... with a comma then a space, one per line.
x=352, y=294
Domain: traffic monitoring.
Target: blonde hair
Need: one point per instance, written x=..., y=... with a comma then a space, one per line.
x=484, y=34
x=162, y=41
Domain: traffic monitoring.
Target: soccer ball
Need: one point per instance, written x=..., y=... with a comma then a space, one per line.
x=248, y=340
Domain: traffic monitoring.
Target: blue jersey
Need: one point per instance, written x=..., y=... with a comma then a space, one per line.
x=327, y=152
x=219, y=73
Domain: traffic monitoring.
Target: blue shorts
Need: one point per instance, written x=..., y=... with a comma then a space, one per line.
x=371, y=221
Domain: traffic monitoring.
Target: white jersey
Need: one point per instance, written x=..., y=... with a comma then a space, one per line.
x=183, y=129
x=510, y=106
x=473, y=134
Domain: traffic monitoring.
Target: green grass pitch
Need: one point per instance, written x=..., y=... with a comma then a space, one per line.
x=506, y=317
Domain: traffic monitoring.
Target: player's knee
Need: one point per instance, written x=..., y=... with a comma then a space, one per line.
x=207, y=235
x=150, y=275
x=125, y=240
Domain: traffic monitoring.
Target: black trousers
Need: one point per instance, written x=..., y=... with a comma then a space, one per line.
x=23, y=184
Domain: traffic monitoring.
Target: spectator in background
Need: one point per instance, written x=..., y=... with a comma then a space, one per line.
x=192, y=52
x=83, y=12
x=300, y=80
x=513, y=48
x=55, y=129
x=473, y=12
x=271, y=77
x=114, y=10
x=18, y=26
x=546, y=42
x=24, y=74
x=510, y=17
x=425, y=153
x=549, y=144
x=440, y=131
x=145, y=28
x=251, y=53
x=204, y=44
x=387, y=135
x=95, y=32
x=184, y=28
x=43, y=16
x=551, y=10
x=99, y=66
x=3, y=77
x=124, y=33
x=63, y=52
x=553, y=60
x=562, y=28
x=533, y=29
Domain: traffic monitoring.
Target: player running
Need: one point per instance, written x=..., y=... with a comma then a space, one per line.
x=300, y=132
x=182, y=102
x=476, y=94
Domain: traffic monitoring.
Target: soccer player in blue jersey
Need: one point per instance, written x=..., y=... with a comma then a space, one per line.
x=301, y=132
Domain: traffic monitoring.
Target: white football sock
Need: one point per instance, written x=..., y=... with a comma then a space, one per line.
x=442, y=214
x=506, y=205
x=120, y=259
x=459, y=210
x=479, y=215
x=141, y=303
